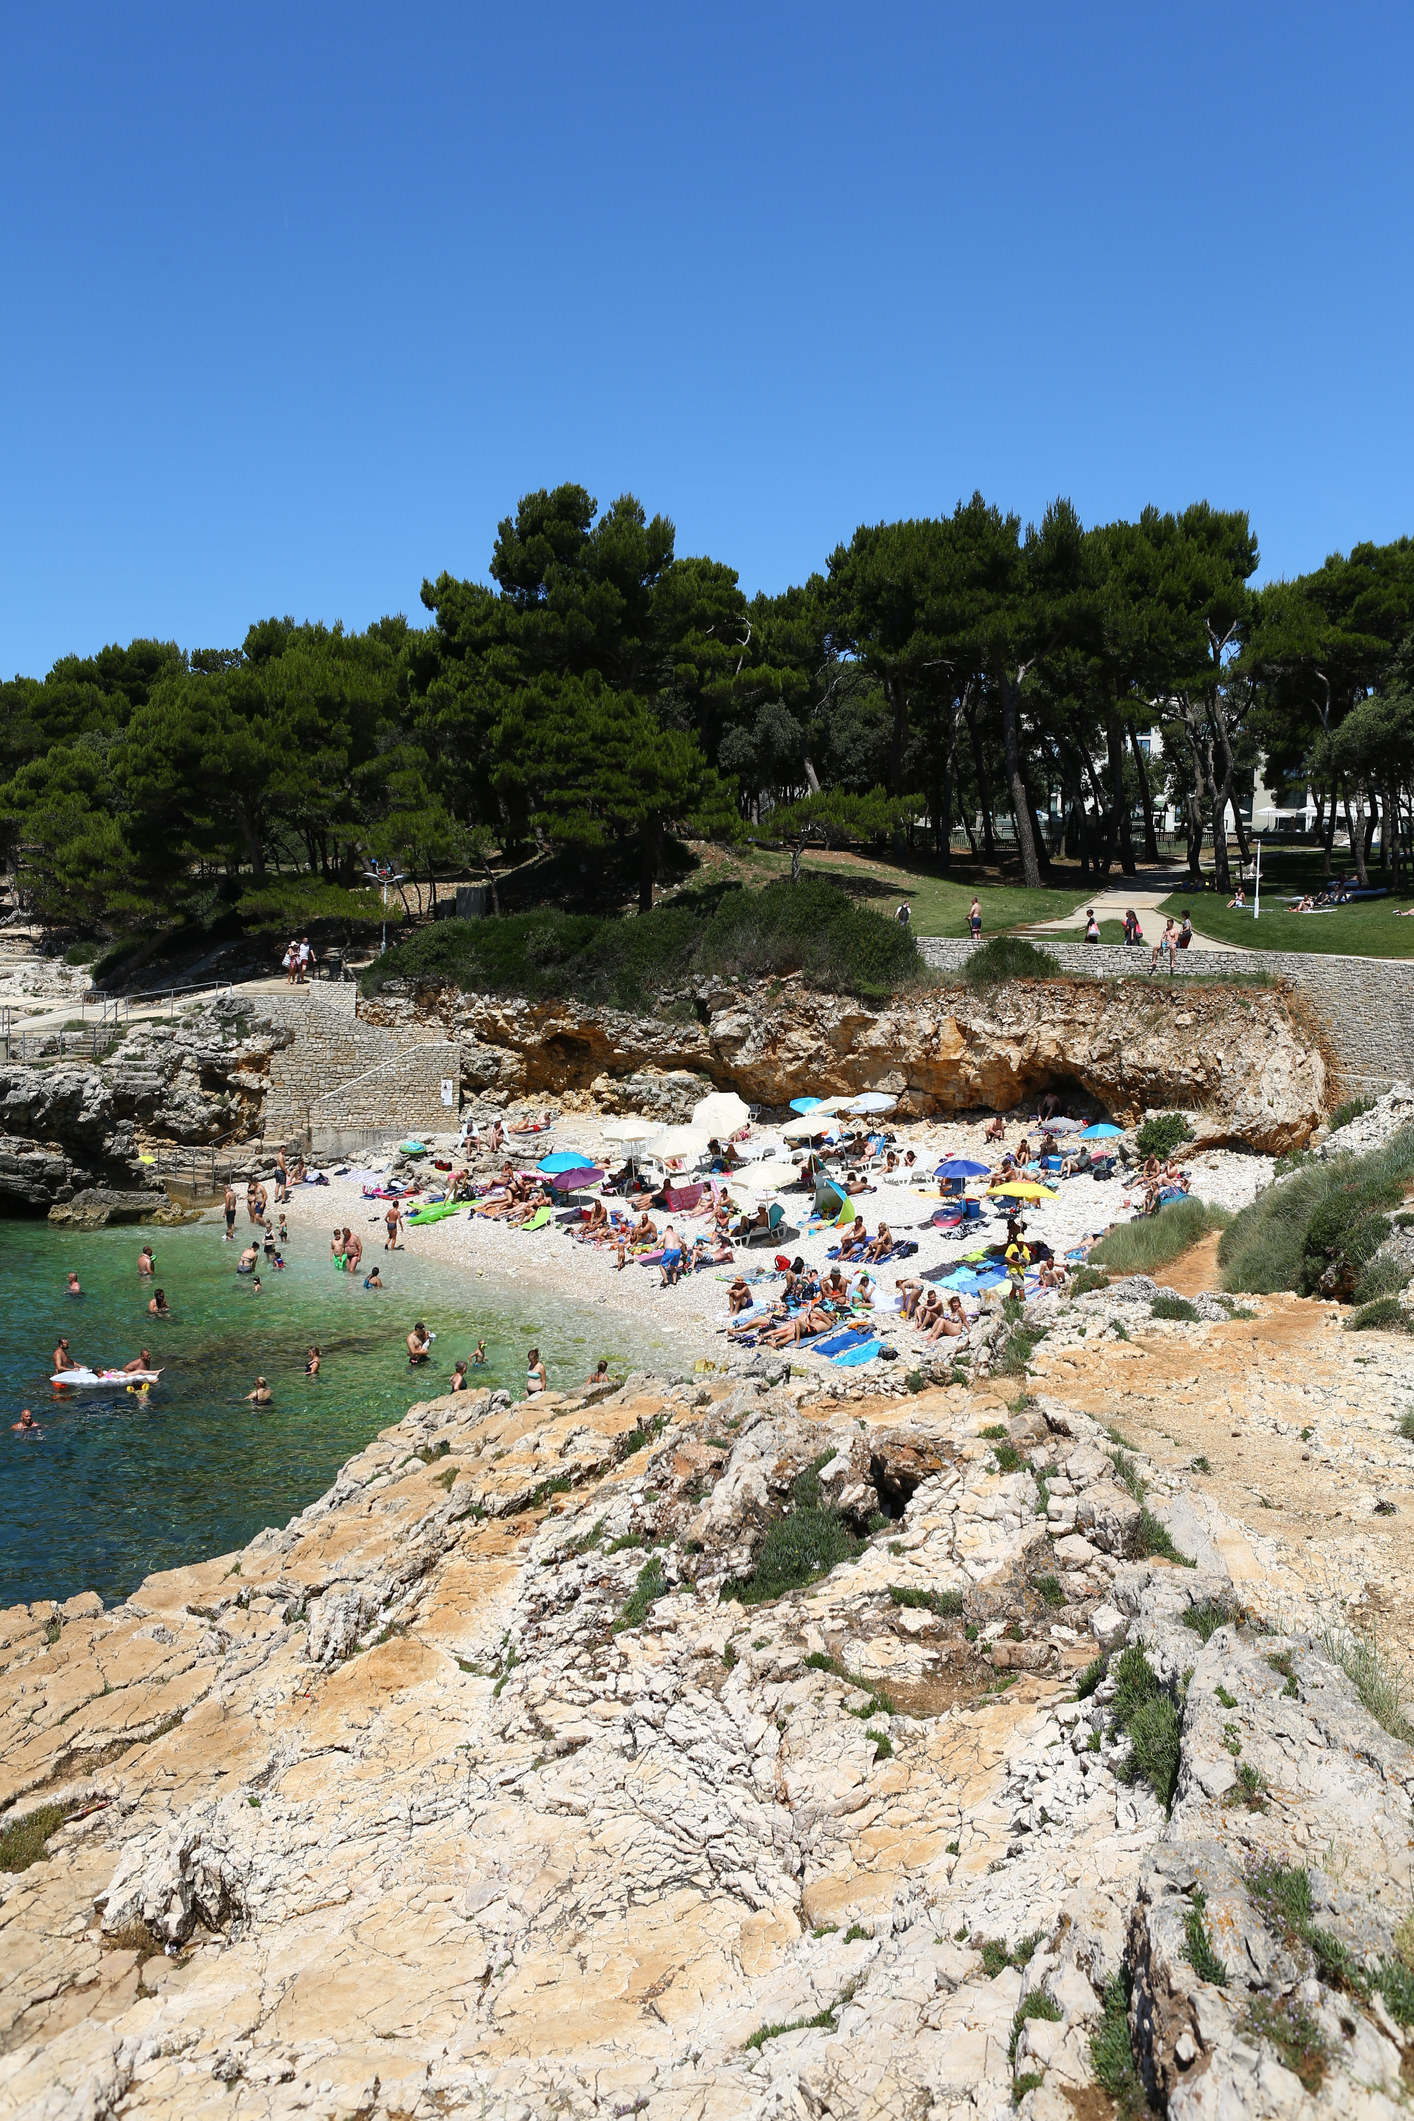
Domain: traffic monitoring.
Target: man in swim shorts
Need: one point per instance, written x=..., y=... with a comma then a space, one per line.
x=419, y=1345
x=230, y=1213
x=62, y=1358
x=393, y=1219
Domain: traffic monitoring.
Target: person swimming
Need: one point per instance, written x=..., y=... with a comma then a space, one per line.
x=262, y=1395
x=419, y=1345
x=63, y=1360
x=249, y=1260
x=373, y=1279
x=26, y=1425
x=478, y=1356
x=311, y=1367
x=141, y=1361
x=73, y=1288
x=146, y=1264
x=458, y=1377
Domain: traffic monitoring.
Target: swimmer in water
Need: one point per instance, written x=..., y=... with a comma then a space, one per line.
x=255, y=1286
x=373, y=1280
x=419, y=1345
x=63, y=1360
x=26, y=1425
x=311, y=1368
x=282, y=1235
x=74, y=1289
x=478, y=1356
x=458, y=1377
x=141, y=1361
x=248, y=1260
x=279, y=1264
x=262, y=1395
x=600, y=1373
x=146, y=1264
x=157, y=1306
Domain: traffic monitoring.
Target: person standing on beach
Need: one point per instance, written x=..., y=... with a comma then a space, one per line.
x=250, y=1200
x=536, y=1378
x=230, y=1213
x=393, y=1219
x=282, y=1178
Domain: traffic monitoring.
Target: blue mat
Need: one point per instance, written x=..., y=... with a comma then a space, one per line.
x=865, y=1352
x=848, y=1338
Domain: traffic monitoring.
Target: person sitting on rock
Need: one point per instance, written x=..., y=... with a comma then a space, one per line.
x=881, y=1247
x=996, y=1128
x=855, y=1240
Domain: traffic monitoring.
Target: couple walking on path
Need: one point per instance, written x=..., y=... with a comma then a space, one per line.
x=297, y=961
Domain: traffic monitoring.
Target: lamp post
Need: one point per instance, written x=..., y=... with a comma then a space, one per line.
x=384, y=873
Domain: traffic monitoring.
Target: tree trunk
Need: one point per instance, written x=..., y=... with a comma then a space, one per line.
x=1328, y=840
x=1151, y=843
x=984, y=793
x=1357, y=842
x=1038, y=837
x=652, y=848
x=1114, y=737
x=898, y=701
x=1016, y=780
x=796, y=851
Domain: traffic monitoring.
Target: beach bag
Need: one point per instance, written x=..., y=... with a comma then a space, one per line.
x=1102, y=1167
x=783, y=1262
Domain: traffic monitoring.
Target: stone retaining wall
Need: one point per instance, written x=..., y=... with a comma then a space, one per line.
x=1365, y=1005
x=401, y=1095
x=330, y=1048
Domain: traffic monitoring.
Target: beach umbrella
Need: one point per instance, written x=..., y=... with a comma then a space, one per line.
x=572, y=1181
x=1022, y=1189
x=564, y=1160
x=810, y=1129
x=961, y=1167
x=804, y=1104
x=680, y=1142
x=770, y=1176
x=841, y=1102
x=1102, y=1131
x=872, y=1101
x=721, y=1113
x=630, y=1130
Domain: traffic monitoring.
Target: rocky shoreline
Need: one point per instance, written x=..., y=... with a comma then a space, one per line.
x=470, y=1791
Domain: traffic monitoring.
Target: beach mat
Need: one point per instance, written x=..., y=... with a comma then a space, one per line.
x=863, y=1353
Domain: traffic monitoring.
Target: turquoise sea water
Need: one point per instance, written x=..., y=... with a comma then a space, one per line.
x=120, y=1485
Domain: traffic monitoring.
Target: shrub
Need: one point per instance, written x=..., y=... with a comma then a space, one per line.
x=1008, y=957
x=1087, y=1278
x=1353, y=1108
x=1278, y=1243
x=1386, y=1315
x=1206, y=1616
x=798, y=1549
x=1144, y=1710
x=651, y=1584
x=811, y=927
x=1379, y=1682
x=22, y=1841
x=1161, y=1135
x=1383, y=1276
x=1111, y=2052
x=1174, y=1307
x=1297, y=2039
x=1198, y=1947
x=1151, y=1241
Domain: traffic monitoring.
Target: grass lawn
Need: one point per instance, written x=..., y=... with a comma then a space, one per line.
x=1370, y=928
x=939, y=904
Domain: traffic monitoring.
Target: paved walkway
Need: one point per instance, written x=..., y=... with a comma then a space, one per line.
x=1114, y=896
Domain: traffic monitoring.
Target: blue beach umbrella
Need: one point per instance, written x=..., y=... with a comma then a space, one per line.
x=1102, y=1131
x=961, y=1167
x=564, y=1160
x=804, y=1104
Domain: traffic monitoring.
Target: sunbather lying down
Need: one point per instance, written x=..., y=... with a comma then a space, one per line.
x=532, y=1125
x=815, y=1319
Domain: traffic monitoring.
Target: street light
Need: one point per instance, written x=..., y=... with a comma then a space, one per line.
x=384, y=873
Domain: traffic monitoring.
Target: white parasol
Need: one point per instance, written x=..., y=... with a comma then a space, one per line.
x=721, y=1113
x=630, y=1130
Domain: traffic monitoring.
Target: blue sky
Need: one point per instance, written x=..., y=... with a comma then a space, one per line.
x=299, y=299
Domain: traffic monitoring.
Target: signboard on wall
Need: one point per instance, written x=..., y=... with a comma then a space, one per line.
x=449, y=1090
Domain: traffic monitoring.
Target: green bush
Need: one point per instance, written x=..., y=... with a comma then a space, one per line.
x=1380, y=1277
x=1153, y=1241
x=1353, y=1108
x=798, y=1549
x=23, y=1841
x=1290, y=1233
x=1008, y=957
x=1161, y=1135
x=1173, y=1307
x=1386, y=1315
x=1145, y=1711
x=811, y=928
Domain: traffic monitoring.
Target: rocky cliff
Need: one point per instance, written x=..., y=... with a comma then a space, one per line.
x=1244, y=1061
x=512, y=1778
x=70, y=1128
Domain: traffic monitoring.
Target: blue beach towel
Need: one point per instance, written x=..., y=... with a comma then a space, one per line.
x=864, y=1353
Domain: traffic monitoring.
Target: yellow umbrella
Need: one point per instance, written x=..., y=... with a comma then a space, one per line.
x=1023, y=1189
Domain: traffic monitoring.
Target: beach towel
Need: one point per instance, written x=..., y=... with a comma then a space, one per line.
x=864, y=1353
x=847, y=1337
